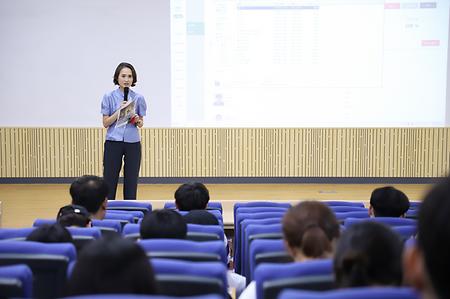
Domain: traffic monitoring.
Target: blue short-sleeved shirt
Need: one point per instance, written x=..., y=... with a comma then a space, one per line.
x=110, y=103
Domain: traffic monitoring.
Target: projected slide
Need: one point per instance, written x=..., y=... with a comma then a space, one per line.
x=323, y=63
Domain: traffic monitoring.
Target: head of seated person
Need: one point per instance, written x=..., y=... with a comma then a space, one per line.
x=54, y=233
x=368, y=254
x=202, y=217
x=388, y=202
x=74, y=215
x=163, y=224
x=112, y=265
x=90, y=191
x=191, y=196
x=310, y=230
x=427, y=263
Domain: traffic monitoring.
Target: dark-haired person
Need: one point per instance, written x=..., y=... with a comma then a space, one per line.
x=310, y=231
x=163, y=224
x=112, y=266
x=90, y=191
x=54, y=233
x=74, y=215
x=191, y=196
x=427, y=263
x=368, y=254
x=122, y=142
x=388, y=202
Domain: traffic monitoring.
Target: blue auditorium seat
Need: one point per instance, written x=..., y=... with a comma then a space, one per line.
x=271, y=279
x=354, y=293
x=129, y=205
x=48, y=262
x=16, y=281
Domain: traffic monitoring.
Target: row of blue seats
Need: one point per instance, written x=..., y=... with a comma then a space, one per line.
x=261, y=220
x=49, y=261
x=187, y=278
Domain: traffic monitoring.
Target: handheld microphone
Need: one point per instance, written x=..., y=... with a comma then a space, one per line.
x=125, y=93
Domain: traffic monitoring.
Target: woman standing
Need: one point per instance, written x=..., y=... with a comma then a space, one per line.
x=123, y=141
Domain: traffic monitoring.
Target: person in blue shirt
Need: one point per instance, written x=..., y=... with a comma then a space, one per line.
x=122, y=142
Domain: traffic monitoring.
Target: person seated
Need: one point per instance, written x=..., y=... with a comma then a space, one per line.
x=165, y=224
x=202, y=217
x=368, y=254
x=427, y=263
x=310, y=230
x=388, y=202
x=50, y=233
x=73, y=215
x=112, y=266
x=90, y=191
x=191, y=196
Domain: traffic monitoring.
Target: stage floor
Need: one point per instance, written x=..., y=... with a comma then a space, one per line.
x=22, y=203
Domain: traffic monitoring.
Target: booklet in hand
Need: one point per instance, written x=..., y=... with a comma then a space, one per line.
x=126, y=113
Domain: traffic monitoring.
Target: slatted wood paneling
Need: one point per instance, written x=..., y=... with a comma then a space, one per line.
x=213, y=152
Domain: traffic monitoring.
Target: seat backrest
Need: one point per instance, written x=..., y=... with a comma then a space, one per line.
x=212, y=251
x=16, y=281
x=254, y=204
x=256, y=232
x=131, y=231
x=129, y=205
x=267, y=251
x=15, y=234
x=340, y=209
x=238, y=232
x=108, y=226
x=124, y=218
x=137, y=215
x=196, y=232
x=391, y=221
x=199, y=232
x=215, y=205
x=342, y=216
x=354, y=293
x=48, y=262
x=184, y=278
x=271, y=279
x=84, y=235
x=131, y=296
x=39, y=222
x=336, y=203
x=406, y=231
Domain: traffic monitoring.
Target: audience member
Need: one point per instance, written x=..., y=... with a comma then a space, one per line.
x=427, y=263
x=74, y=215
x=191, y=196
x=310, y=231
x=112, y=266
x=163, y=224
x=54, y=233
x=368, y=254
x=202, y=217
x=90, y=192
x=388, y=202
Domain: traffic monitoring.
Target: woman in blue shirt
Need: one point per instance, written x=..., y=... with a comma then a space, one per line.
x=122, y=142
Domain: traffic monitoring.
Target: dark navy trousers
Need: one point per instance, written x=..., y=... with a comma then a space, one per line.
x=114, y=152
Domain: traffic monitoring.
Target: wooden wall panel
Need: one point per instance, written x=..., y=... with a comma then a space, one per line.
x=214, y=152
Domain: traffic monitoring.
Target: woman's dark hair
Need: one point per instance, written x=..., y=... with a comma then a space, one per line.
x=121, y=66
x=368, y=253
x=112, y=266
x=311, y=226
x=166, y=224
x=73, y=215
x=54, y=233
